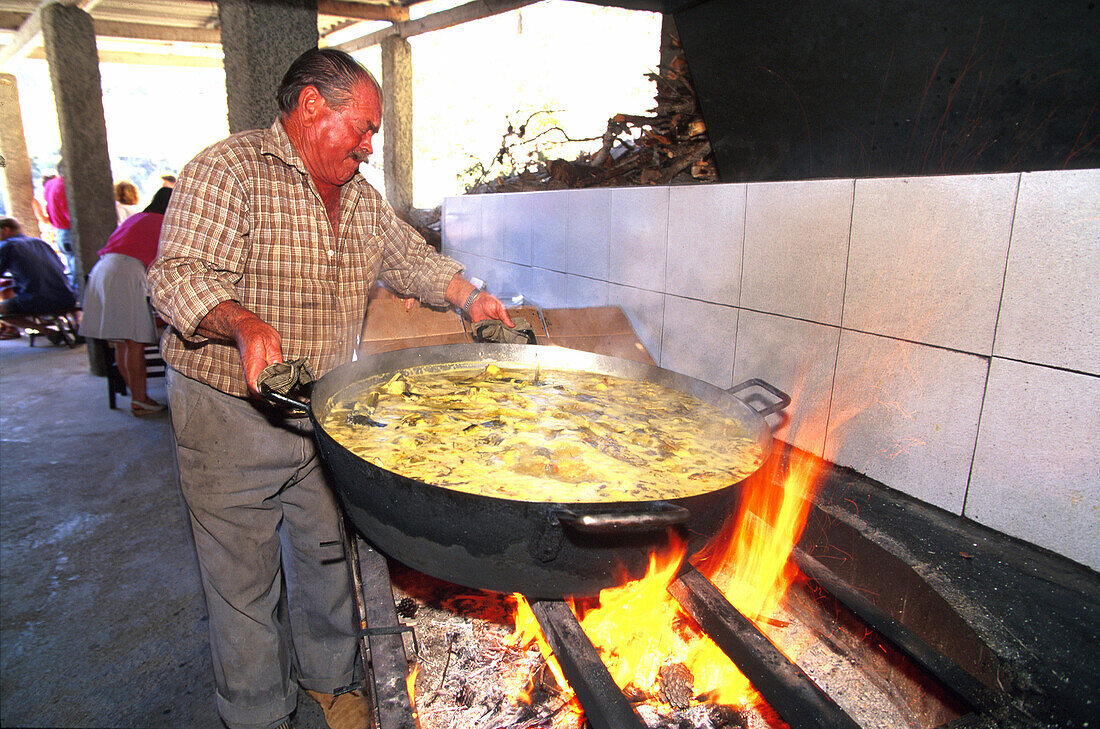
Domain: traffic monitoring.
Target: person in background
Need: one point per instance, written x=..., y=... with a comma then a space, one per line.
x=38, y=283
x=116, y=305
x=269, y=250
x=167, y=180
x=126, y=199
x=57, y=209
x=44, y=227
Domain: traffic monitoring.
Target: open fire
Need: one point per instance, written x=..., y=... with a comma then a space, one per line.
x=674, y=675
x=652, y=648
x=483, y=661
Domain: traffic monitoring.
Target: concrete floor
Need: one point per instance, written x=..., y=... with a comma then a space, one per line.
x=102, y=621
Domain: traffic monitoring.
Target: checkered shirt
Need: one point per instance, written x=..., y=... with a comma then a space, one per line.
x=246, y=223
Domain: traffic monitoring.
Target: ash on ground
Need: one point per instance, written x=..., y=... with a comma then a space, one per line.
x=470, y=675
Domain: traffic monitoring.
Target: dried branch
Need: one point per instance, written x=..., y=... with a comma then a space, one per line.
x=668, y=146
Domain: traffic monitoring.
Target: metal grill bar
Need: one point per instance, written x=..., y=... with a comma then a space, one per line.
x=604, y=705
x=940, y=667
x=786, y=688
x=389, y=668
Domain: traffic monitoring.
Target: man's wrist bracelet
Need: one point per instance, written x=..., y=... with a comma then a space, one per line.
x=470, y=301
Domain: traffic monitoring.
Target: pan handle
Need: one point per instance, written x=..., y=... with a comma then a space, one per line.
x=659, y=515
x=285, y=400
x=784, y=398
x=280, y=378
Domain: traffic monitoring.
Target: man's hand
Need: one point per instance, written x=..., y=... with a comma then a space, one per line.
x=257, y=341
x=487, y=306
x=484, y=306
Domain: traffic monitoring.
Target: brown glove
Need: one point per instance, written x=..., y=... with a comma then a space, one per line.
x=286, y=377
x=491, y=330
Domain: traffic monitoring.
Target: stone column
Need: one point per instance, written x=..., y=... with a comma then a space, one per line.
x=397, y=122
x=69, y=40
x=15, y=163
x=260, y=40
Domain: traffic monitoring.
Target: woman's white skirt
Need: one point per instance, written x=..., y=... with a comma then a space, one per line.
x=115, y=301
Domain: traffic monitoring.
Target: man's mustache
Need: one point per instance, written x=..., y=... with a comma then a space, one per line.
x=360, y=156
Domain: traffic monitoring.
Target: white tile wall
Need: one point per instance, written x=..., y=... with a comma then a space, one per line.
x=513, y=279
x=906, y=415
x=705, y=237
x=798, y=357
x=517, y=213
x=796, y=248
x=698, y=340
x=492, y=239
x=923, y=261
x=639, y=231
x=927, y=258
x=581, y=291
x=546, y=288
x=588, y=235
x=646, y=312
x=1051, y=308
x=1035, y=468
x=549, y=232
x=462, y=223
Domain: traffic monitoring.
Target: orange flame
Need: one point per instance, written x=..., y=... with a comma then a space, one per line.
x=410, y=684
x=529, y=631
x=639, y=628
x=750, y=566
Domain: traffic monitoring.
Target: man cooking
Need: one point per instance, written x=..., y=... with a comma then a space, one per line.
x=269, y=249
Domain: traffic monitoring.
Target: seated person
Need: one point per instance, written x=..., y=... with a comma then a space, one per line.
x=39, y=284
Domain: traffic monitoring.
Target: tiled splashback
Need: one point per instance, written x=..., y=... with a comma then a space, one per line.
x=939, y=334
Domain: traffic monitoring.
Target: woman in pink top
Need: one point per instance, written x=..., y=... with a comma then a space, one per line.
x=116, y=305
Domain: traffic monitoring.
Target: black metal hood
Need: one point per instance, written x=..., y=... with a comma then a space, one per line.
x=869, y=88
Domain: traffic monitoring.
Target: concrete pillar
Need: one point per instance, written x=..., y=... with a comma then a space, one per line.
x=397, y=122
x=260, y=39
x=15, y=163
x=69, y=40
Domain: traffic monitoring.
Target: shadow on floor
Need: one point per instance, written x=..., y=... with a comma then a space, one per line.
x=103, y=622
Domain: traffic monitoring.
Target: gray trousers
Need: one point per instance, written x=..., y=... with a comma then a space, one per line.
x=261, y=507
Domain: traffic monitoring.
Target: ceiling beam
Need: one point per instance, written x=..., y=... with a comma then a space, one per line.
x=11, y=21
x=436, y=21
x=30, y=31
x=145, y=31
x=146, y=59
x=362, y=11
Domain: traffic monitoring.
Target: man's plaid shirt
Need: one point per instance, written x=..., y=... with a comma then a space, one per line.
x=245, y=223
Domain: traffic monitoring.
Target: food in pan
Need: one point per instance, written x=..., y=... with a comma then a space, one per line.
x=542, y=435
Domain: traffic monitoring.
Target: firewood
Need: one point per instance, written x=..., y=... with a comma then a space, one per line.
x=667, y=146
x=727, y=717
x=676, y=685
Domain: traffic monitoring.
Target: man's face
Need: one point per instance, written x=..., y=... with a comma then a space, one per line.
x=342, y=138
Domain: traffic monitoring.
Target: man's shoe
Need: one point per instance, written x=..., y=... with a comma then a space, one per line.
x=349, y=710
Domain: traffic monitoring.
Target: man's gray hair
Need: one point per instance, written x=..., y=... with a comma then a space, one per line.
x=334, y=73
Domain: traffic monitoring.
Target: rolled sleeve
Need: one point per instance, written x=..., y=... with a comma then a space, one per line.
x=203, y=247
x=412, y=267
